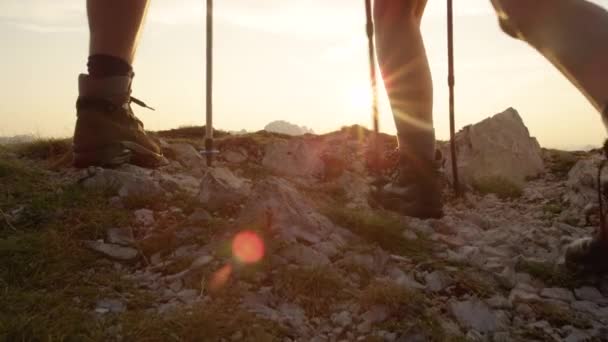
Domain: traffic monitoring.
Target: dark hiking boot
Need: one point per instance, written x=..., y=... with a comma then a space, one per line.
x=107, y=132
x=416, y=190
x=589, y=254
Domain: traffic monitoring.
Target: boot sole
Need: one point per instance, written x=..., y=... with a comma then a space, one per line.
x=124, y=152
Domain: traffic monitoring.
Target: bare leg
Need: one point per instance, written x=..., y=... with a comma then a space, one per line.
x=115, y=26
x=415, y=190
x=572, y=34
x=406, y=73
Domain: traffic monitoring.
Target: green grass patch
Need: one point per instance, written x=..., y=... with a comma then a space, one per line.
x=500, y=186
x=551, y=275
x=558, y=316
x=312, y=287
x=44, y=148
x=407, y=309
x=215, y=321
x=380, y=227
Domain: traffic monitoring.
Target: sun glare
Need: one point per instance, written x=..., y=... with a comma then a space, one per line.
x=359, y=98
x=248, y=247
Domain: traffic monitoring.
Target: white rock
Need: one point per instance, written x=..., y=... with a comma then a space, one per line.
x=342, y=319
x=557, y=293
x=119, y=236
x=293, y=157
x=234, y=157
x=186, y=154
x=220, y=187
x=125, y=184
x=437, y=281
x=499, y=146
x=589, y=293
x=474, y=314
x=305, y=256
x=112, y=251
x=144, y=217
x=110, y=305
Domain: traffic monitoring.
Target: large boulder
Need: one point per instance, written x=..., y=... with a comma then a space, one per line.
x=278, y=207
x=582, y=182
x=220, y=188
x=497, y=147
x=294, y=157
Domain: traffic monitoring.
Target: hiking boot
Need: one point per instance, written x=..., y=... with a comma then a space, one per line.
x=107, y=132
x=589, y=254
x=415, y=190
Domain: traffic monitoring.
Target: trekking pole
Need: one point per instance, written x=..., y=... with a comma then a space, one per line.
x=209, y=151
x=372, y=68
x=451, y=84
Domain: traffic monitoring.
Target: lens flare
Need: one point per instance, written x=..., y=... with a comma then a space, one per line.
x=220, y=278
x=248, y=247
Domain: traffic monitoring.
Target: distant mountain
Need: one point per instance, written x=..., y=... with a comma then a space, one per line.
x=285, y=127
x=16, y=139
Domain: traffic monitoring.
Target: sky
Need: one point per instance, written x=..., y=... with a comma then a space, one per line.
x=303, y=61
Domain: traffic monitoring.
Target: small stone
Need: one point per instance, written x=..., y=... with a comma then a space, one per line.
x=557, y=293
x=201, y=261
x=518, y=295
x=186, y=154
x=199, y=216
x=116, y=202
x=590, y=308
x=499, y=302
x=237, y=336
x=403, y=279
x=409, y=235
x=365, y=327
x=188, y=295
x=176, y=285
x=119, y=236
x=156, y=259
x=437, y=281
x=589, y=293
x=112, y=251
x=328, y=248
x=474, y=314
x=110, y=306
x=304, y=255
x=234, y=157
x=342, y=319
x=144, y=217
x=376, y=314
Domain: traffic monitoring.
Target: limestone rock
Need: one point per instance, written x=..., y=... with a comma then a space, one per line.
x=220, y=187
x=499, y=146
x=276, y=206
x=113, y=251
x=294, y=157
x=474, y=314
x=125, y=184
x=186, y=154
x=582, y=182
x=144, y=217
x=304, y=255
x=557, y=293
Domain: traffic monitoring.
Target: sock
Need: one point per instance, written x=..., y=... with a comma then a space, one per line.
x=101, y=66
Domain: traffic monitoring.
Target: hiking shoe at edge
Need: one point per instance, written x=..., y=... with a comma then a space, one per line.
x=107, y=132
x=416, y=190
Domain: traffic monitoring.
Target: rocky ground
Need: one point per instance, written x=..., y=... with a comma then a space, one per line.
x=278, y=242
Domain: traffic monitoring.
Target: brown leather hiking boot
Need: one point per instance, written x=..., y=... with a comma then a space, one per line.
x=588, y=255
x=107, y=132
x=415, y=190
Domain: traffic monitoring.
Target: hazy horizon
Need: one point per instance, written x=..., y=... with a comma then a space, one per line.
x=300, y=61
